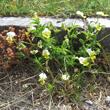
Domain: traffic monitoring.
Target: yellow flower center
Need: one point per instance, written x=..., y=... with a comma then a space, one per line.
x=85, y=63
x=42, y=82
x=46, y=34
x=46, y=56
x=98, y=27
x=92, y=55
x=9, y=40
x=67, y=40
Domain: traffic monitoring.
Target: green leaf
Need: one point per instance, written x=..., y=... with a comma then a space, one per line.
x=82, y=41
x=21, y=54
x=50, y=85
x=56, y=30
x=99, y=45
x=73, y=35
x=36, y=70
x=68, y=4
x=32, y=23
x=85, y=32
x=33, y=37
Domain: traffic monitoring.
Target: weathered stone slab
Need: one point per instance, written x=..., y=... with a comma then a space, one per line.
x=57, y=22
x=21, y=22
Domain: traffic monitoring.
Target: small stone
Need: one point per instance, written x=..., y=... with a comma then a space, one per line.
x=85, y=106
x=81, y=98
x=95, y=108
x=89, y=102
x=107, y=100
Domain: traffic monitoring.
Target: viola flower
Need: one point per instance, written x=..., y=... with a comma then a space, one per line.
x=35, y=15
x=42, y=78
x=10, y=37
x=21, y=45
x=46, y=33
x=80, y=14
x=65, y=77
x=101, y=13
x=34, y=51
x=83, y=61
x=66, y=40
x=96, y=25
x=25, y=86
x=31, y=29
x=39, y=44
x=91, y=53
x=46, y=53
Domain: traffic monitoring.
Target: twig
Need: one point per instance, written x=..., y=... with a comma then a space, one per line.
x=14, y=101
x=8, y=105
x=50, y=103
x=32, y=99
x=100, y=96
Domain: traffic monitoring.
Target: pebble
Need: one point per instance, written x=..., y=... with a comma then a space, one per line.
x=107, y=100
x=89, y=102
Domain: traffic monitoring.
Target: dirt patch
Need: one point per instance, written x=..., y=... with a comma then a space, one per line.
x=21, y=90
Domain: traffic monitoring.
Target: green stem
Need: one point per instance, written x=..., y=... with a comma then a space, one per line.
x=65, y=64
x=51, y=74
x=103, y=37
x=15, y=42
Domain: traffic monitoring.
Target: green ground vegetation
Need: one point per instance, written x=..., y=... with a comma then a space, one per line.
x=56, y=8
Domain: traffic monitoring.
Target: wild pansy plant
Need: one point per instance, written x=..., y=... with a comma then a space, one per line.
x=65, y=77
x=58, y=57
x=46, y=33
x=95, y=25
x=42, y=78
x=91, y=53
x=83, y=61
x=10, y=36
x=80, y=14
x=34, y=51
x=35, y=15
x=100, y=13
x=46, y=53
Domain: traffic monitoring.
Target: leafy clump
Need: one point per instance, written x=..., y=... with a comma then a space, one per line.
x=60, y=61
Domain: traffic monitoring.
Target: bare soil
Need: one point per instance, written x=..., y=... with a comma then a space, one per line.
x=13, y=96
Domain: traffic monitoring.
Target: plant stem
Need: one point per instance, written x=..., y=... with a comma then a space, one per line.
x=104, y=37
x=51, y=74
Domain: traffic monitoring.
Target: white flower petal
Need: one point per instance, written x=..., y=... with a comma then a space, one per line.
x=100, y=13
x=79, y=13
x=43, y=76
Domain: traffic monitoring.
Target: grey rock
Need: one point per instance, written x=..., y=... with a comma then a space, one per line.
x=85, y=106
x=95, y=108
x=81, y=98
